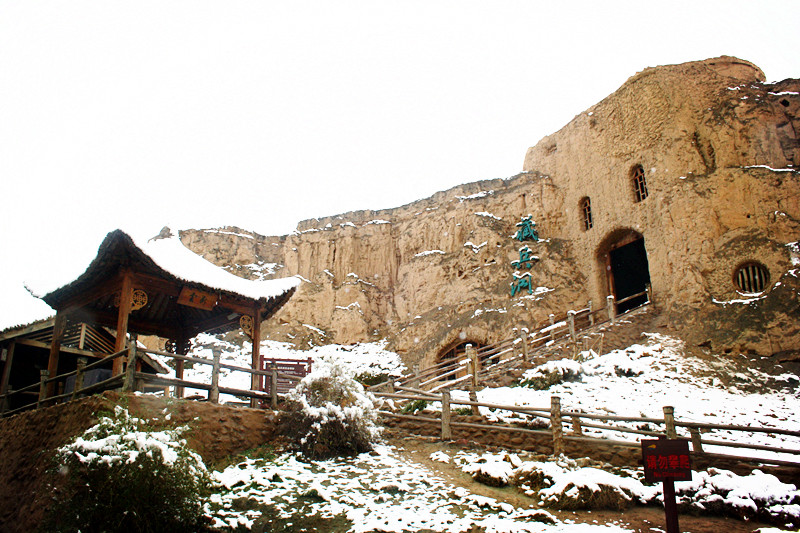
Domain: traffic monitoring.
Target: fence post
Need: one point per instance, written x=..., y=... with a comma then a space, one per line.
x=213, y=394
x=555, y=425
x=45, y=374
x=524, y=337
x=611, y=308
x=649, y=290
x=447, y=434
x=576, y=426
x=472, y=354
x=130, y=370
x=473, y=397
x=697, y=444
x=4, y=404
x=78, y=377
x=571, y=323
x=669, y=422
x=415, y=382
x=273, y=386
x=591, y=314
x=552, y=318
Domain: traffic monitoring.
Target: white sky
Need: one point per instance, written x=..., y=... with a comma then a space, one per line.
x=260, y=114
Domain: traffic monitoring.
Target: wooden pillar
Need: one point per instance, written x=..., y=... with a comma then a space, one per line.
x=611, y=308
x=256, y=380
x=447, y=433
x=213, y=394
x=7, y=367
x=181, y=348
x=125, y=304
x=59, y=326
x=555, y=425
x=591, y=313
x=78, y=378
x=472, y=355
x=669, y=422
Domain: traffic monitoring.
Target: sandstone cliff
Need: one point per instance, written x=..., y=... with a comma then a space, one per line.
x=718, y=151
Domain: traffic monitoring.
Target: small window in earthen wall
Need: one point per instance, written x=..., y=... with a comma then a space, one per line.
x=585, y=208
x=751, y=278
x=639, y=183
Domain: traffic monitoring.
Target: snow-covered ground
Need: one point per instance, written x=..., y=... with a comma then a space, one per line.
x=386, y=491
x=640, y=380
x=379, y=491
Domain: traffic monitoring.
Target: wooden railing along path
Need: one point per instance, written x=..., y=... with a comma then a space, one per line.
x=485, y=362
x=132, y=380
x=580, y=421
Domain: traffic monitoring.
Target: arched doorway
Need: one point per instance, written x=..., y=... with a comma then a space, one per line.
x=453, y=354
x=624, y=257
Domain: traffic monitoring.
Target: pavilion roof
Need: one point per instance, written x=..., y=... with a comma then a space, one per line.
x=163, y=268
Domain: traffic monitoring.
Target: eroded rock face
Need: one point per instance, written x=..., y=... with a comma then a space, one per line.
x=712, y=152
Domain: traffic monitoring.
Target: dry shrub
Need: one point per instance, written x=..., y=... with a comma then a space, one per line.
x=329, y=414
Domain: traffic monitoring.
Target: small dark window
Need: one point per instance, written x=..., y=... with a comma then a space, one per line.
x=585, y=208
x=751, y=277
x=639, y=183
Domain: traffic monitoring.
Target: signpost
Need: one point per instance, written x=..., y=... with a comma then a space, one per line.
x=667, y=460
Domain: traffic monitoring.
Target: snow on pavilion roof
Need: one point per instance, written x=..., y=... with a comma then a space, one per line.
x=165, y=258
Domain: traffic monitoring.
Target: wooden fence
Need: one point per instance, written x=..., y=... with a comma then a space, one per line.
x=579, y=421
x=133, y=380
x=487, y=361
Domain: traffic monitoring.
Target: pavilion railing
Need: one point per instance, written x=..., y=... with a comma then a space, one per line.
x=132, y=380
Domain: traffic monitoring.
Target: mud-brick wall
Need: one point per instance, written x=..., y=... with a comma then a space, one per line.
x=28, y=442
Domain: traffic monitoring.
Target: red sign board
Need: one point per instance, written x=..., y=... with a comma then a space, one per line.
x=666, y=459
x=292, y=367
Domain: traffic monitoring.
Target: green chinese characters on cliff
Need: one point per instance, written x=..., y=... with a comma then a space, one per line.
x=527, y=230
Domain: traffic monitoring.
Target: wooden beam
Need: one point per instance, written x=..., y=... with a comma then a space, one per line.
x=152, y=283
x=181, y=348
x=243, y=307
x=7, y=367
x=64, y=349
x=125, y=304
x=88, y=296
x=255, y=380
x=213, y=323
x=26, y=330
x=59, y=326
x=142, y=326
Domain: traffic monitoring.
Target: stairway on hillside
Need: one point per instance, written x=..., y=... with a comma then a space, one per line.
x=626, y=330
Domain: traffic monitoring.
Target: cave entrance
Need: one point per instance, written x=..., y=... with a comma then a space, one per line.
x=451, y=359
x=627, y=269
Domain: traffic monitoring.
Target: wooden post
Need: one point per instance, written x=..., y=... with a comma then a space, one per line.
x=213, y=394
x=591, y=314
x=7, y=367
x=415, y=382
x=447, y=433
x=552, y=318
x=473, y=397
x=555, y=425
x=472, y=354
x=390, y=386
x=125, y=305
x=697, y=444
x=273, y=386
x=670, y=506
x=576, y=426
x=181, y=348
x=571, y=324
x=59, y=326
x=611, y=308
x=524, y=337
x=649, y=290
x=45, y=374
x=78, y=378
x=129, y=385
x=255, y=381
x=669, y=422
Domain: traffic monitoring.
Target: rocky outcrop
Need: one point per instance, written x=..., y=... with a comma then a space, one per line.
x=717, y=152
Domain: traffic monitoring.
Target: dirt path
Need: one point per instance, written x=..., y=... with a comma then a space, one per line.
x=639, y=519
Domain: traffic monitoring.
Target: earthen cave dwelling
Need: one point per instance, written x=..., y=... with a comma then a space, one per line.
x=683, y=182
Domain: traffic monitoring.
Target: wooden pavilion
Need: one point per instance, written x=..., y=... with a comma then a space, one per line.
x=160, y=289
